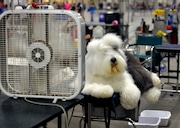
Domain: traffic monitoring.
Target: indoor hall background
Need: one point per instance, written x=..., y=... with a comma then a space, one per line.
x=168, y=101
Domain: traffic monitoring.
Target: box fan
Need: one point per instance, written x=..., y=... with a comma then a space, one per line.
x=39, y=59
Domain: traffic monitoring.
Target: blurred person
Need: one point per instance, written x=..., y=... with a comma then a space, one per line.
x=60, y=5
x=55, y=5
x=115, y=6
x=133, y=9
x=67, y=5
x=151, y=7
x=101, y=6
x=70, y=27
x=79, y=7
x=92, y=9
x=104, y=4
x=143, y=7
x=108, y=6
x=73, y=6
x=173, y=6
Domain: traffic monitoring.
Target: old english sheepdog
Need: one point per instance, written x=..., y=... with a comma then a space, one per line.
x=106, y=72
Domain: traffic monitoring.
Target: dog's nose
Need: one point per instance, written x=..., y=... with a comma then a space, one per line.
x=113, y=60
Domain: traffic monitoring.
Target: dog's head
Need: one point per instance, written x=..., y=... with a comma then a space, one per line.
x=105, y=56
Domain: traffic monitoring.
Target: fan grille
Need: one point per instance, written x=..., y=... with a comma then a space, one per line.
x=39, y=58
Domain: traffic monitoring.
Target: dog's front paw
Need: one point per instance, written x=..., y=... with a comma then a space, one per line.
x=98, y=90
x=102, y=91
x=130, y=97
x=156, y=80
x=87, y=90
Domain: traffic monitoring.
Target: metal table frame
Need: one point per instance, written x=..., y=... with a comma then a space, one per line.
x=170, y=50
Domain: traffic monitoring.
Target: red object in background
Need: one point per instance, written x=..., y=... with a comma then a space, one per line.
x=174, y=36
x=1, y=5
x=35, y=5
x=168, y=27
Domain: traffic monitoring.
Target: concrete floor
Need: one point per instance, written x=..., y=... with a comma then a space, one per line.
x=168, y=101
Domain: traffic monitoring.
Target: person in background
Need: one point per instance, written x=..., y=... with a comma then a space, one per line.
x=55, y=5
x=115, y=6
x=60, y=5
x=69, y=27
x=67, y=6
x=88, y=35
x=108, y=6
x=79, y=7
x=73, y=7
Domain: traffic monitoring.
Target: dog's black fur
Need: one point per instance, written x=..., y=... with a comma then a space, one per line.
x=141, y=76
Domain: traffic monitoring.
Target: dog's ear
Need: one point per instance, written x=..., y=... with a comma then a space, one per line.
x=93, y=46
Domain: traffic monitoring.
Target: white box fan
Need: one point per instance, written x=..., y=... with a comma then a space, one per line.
x=38, y=58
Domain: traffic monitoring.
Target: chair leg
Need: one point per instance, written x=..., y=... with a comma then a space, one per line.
x=86, y=115
x=85, y=124
x=107, y=116
x=44, y=126
x=80, y=122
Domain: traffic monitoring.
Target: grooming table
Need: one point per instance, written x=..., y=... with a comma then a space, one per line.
x=170, y=51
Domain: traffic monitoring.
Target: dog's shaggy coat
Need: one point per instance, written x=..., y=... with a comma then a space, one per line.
x=107, y=72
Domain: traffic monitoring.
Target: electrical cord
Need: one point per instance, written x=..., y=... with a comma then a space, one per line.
x=64, y=111
x=71, y=116
x=51, y=104
x=130, y=121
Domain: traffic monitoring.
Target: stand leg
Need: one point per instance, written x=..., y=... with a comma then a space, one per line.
x=89, y=115
x=59, y=121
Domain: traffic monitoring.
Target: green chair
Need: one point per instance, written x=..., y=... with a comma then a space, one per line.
x=144, y=50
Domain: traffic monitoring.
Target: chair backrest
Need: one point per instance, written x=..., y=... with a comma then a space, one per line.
x=148, y=40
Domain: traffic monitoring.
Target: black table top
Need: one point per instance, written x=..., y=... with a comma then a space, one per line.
x=17, y=113
x=168, y=48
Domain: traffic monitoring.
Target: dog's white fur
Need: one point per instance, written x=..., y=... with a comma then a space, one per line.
x=106, y=72
x=152, y=95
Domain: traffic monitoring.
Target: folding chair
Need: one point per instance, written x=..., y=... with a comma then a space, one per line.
x=144, y=50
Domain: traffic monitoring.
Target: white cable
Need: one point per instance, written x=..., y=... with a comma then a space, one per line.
x=50, y=104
